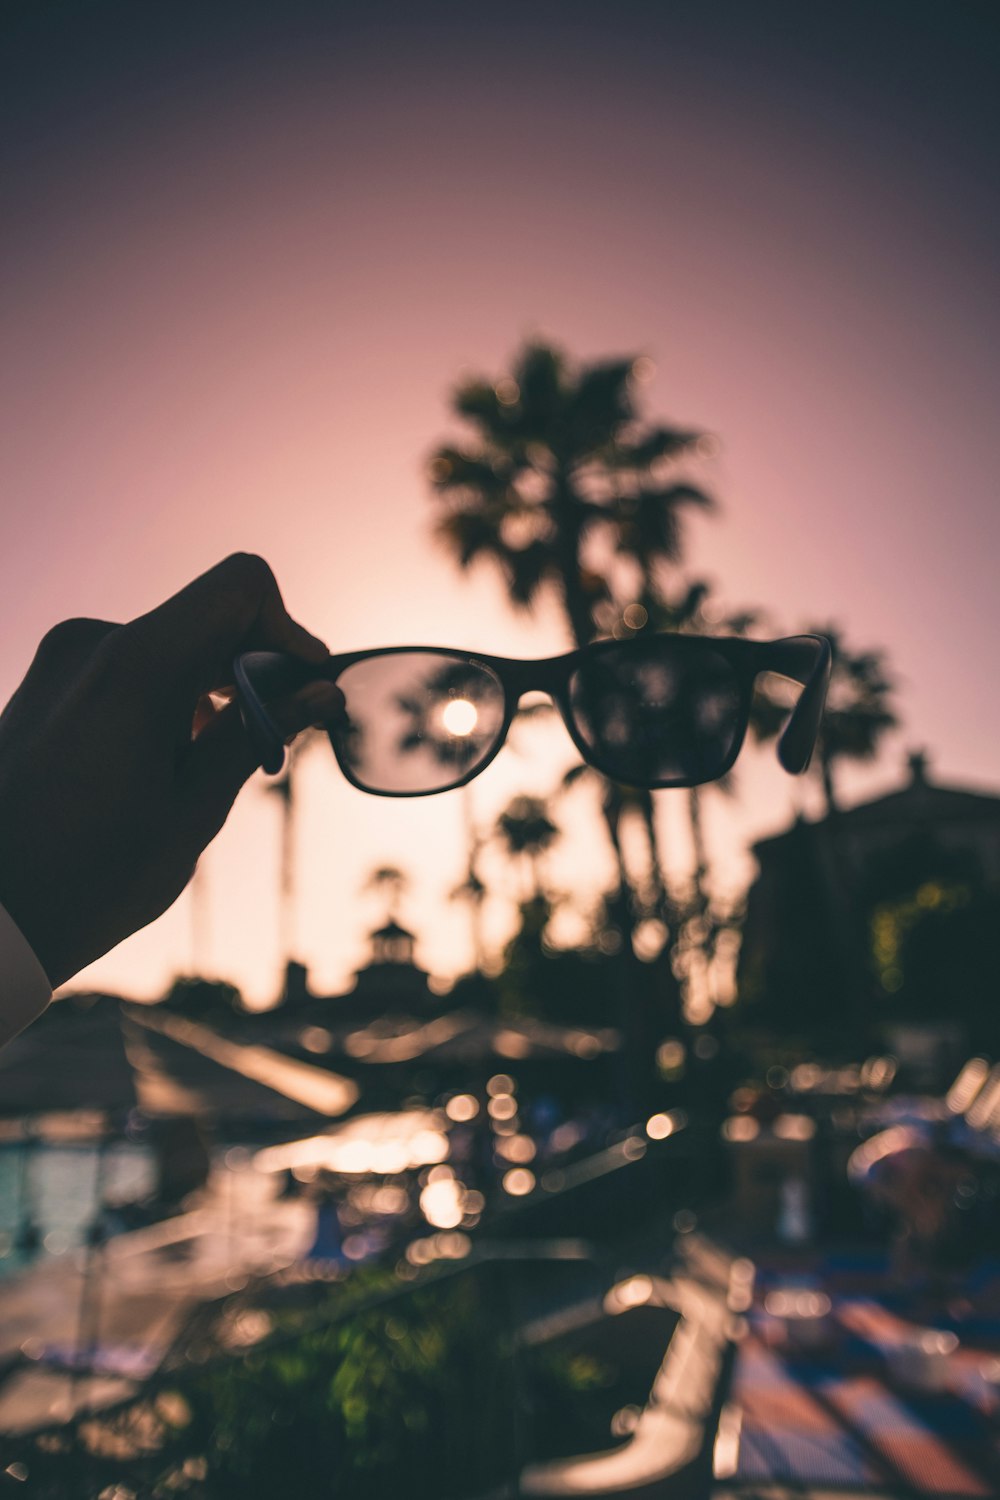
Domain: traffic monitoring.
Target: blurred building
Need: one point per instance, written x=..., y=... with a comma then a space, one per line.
x=876, y=918
x=396, y=1035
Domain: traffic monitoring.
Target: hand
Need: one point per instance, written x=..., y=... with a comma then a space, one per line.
x=121, y=754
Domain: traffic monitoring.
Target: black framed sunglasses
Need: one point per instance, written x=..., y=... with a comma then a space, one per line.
x=656, y=711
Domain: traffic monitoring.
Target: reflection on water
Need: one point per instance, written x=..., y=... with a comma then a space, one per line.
x=48, y=1195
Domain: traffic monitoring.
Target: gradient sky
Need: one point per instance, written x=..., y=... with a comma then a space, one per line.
x=247, y=252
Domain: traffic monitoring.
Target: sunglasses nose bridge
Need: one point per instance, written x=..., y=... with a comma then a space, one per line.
x=532, y=677
x=526, y=677
x=546, y=677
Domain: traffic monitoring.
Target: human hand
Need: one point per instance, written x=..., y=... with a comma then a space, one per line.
x=121, y=754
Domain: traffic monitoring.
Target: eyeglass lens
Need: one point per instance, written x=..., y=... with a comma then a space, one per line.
x=417, y=721
x=657, y=712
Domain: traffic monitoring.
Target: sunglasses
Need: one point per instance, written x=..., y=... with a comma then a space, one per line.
x=656, y=711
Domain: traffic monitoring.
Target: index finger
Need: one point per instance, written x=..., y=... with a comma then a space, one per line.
x=236, y=606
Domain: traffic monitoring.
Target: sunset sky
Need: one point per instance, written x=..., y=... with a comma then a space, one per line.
x=249, y=250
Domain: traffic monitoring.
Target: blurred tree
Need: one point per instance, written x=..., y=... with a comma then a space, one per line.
x=390, y=882
x=473, y=891
x=559, y=460
x=283, y=788
x=695, y=923
x=620, y=805
x=526, y=831
x=560, y=483
x=204, y=999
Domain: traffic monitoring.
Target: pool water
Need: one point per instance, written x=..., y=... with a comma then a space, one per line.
x=48, y=1195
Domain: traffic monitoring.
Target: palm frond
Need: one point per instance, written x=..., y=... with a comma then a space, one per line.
x=525, y=826
x=655, y=444
x=600, y=405
x=527, y=568
x=479, y=403
x=471, y=534
x=540, y=374
x=650, y=522
x=484, y=474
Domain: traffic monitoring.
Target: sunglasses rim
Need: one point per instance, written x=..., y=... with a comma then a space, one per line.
x=748, y=658
x=455, y=654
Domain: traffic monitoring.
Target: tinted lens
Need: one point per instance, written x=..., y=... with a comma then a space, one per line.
x=658, y=713
x=417, y=721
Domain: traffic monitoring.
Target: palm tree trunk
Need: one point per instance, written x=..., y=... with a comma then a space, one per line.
x=657, y=877
x=633, y=986
x=285, y=791
x=637, y=1015
x=700, y=851
x=566, y=514
x=475, y=904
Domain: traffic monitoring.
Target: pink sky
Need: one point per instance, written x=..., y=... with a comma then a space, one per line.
x=233, y=309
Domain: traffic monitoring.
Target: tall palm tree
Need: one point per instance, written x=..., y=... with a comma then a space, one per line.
x=558, y=464
x=620, y=804
x=283, y=788
x=859, y=711
x=472, y=890
x=691, y=610
x=559, y=482
x=526, y=832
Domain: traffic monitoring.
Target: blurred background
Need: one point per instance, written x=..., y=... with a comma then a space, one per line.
x=250, y=254
x=293, y=279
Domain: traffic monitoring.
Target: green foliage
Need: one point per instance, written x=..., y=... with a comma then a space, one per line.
x=932, y=920
x=407, y=1395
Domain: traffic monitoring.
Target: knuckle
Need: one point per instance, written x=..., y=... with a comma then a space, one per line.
x=71, y=635
x=251, y=571
x=132, y=650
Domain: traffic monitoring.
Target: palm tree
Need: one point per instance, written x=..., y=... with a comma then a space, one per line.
x=390, y=882
x=559, y=463
x=559, y=484
x=472, y=889
x=618, y=805
x=859, y=711
x=526, y=831
x=695, y=924
x=283, y=788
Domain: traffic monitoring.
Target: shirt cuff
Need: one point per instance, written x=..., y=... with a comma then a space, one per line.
x=25, y=990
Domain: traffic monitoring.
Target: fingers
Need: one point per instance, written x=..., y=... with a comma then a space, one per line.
x=61, y=655
x=65, y=648
x=221, y=758
x=236, y=606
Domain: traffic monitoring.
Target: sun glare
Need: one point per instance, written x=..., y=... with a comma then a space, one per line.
x=459, y=717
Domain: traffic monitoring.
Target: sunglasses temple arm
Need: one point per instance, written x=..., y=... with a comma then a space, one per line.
x=805, y=659
x=271, y=673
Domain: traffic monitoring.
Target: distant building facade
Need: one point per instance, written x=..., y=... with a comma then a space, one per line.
x=881, y=915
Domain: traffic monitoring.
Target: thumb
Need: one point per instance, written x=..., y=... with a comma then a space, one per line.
x=222, y=759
